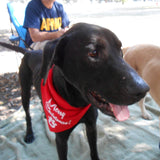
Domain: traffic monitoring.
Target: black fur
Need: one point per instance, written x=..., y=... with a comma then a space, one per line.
x=12, y=47
x=87, y=59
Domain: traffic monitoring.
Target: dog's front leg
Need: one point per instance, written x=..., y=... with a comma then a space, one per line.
x=92, y=140
x=61, y=143
x=91, y=129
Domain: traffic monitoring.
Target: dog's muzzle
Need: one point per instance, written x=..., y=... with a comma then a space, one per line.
x=120, y=112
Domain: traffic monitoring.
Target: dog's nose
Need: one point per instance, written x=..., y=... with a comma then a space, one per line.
x=142, y=93
x=142, y=85
x=140, y=88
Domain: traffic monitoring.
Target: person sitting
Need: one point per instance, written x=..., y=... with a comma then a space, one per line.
x=44, y=20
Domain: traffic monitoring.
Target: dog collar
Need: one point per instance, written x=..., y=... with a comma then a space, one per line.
x=59, y=113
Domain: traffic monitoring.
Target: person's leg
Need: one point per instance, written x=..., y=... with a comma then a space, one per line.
x=39, y=45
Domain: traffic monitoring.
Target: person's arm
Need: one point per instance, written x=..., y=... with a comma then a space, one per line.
x=37, y=35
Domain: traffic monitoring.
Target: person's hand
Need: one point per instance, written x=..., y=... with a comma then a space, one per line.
x=60, y=32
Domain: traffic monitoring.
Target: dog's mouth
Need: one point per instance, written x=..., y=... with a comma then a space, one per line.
x=121, y=113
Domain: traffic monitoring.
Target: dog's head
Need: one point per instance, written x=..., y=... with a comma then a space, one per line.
x=90, y=58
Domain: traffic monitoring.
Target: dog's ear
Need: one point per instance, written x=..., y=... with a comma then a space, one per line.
x=53, y=53
x=48, y=53
x=59, y=52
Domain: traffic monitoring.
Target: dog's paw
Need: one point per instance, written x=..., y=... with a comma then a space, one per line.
x=29, y=138
x=147, y=116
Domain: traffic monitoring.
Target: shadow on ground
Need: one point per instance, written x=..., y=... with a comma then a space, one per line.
x=10, y=99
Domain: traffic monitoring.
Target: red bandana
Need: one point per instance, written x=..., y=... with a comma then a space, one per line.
x=60, y=114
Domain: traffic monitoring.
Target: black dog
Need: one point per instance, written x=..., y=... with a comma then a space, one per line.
x=88, y=69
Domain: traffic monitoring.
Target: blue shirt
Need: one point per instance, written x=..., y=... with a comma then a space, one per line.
x=44, y=19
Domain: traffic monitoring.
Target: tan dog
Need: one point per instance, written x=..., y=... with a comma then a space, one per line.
x=145, y=59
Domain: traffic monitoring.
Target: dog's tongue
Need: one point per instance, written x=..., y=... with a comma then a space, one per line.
x=120, y=112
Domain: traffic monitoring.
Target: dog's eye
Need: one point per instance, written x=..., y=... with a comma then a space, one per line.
x=93, y=53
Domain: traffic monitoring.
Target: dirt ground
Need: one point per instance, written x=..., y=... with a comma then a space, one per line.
x=10, y=99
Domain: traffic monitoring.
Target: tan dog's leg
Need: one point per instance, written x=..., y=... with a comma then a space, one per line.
x=159, y=128
x=144, y=112
x=159, y=122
